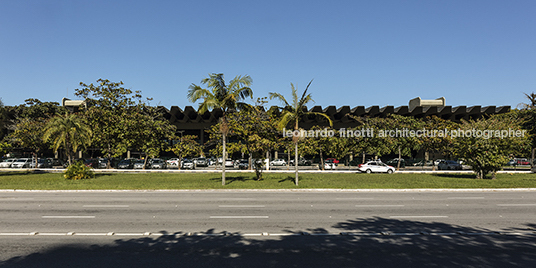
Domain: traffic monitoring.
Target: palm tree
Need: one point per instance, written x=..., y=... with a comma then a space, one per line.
x=531, y=105
x=69, y=132
x=226, y=97
x=293, y=112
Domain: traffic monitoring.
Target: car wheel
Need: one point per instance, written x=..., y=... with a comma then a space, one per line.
x=389, y=171
x=369, y=171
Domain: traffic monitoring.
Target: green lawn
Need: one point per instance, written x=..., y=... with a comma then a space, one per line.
x=150, y=181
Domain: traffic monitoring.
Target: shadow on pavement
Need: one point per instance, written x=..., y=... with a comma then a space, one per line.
x=417, y=247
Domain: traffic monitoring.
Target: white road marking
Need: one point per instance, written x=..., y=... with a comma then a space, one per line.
x=237, y=199
x=377, y=206
x=465, y=198
x=357, y=198
x=239, y=217
x=412, y=217
x=241, y=206
x=106, y=206
x=68, y=217
x=516, y=205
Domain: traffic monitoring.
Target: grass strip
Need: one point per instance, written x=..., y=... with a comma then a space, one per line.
x=154, y=181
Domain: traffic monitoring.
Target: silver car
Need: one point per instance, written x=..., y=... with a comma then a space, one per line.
x=7, y=163
x=158, y=163
x=22, y=163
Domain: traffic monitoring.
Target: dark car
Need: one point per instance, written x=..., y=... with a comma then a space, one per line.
x=394, y=162
x=449, y=165
x=126, y=164
x=301, y=162
x=243, y=164
x=91, y=162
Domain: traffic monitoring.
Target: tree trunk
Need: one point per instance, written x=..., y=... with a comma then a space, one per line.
x=296, y=160
x=398, y=162
x=322, y=165
x=223, y=161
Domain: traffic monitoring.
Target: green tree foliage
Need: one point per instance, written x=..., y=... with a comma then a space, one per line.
x=28, y=133
x=78, y=171
x=227, y=97
x=4, y=148
x=27, y=129
x=187, y=146
x=293, y=112
x=482, y=147
x=150, y=132
x=68, y=132
x=121, y=119
x=256, y=129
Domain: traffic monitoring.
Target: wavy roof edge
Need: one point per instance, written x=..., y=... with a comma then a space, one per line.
x=375, y=109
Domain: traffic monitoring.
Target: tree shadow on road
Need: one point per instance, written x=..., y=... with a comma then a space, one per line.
x=371, y=242
x=231, y=179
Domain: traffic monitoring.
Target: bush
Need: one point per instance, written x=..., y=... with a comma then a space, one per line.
x=78, y=171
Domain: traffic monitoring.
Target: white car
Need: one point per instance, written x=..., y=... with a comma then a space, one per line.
x=376, y=166
x=172, y=163
x=22, y=163
x=188, y=164
x=7, y=163
x=278, y=162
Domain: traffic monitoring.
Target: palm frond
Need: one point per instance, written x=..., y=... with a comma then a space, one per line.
x=286, y=118
x=196, y=93
x=275, y=95
x=322, y=115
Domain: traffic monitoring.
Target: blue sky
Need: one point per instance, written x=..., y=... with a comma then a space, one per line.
x=358, y=52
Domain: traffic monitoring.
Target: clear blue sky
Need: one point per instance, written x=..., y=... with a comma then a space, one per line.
x=367, y=53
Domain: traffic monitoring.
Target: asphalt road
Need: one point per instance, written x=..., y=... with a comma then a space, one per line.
x=267, y=229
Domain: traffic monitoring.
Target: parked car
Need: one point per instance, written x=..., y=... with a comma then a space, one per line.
x=242, y=164
x=449, y=165
x=188, y=164
x=57, y=163
x=42, y=163
x=301, y=162
x=424, y=163
x=332, y=160
x=139, y=164
x=329, y=164
x=172, y=163
x=376, y=166
x=22, y=163
x=394, y=162
x=278, y=162
x=229, y=163
x=6, y=163
x=518, y=162
x=91, y=162
x=158, y=163
x=201, y=162
x=126, y=163
x=103, y=163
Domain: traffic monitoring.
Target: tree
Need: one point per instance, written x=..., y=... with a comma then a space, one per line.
x=116, y=114
x=187, y=146
x=293, y=112
x=28, y=133
x=486, y=144
x=219, y=95
x=4, y=148
x=149, y=132
x=27, y=129
x=256, y=131
x=69, y=132
x=528, y=113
